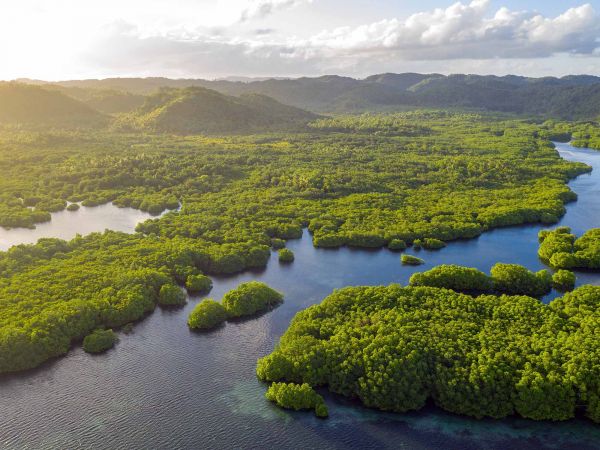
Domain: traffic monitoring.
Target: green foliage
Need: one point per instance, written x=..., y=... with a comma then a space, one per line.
x=198, y=284
x=433, y=244
x=297, y=397
x=410, y=260
x=510, y=279
x=277, y=244
x=563, y=280
x=397, y=244
x=514, y=279
x=560, y=249
x=36, y=106
x=206, y=315
x=286, y=255
x=395, y=348
x=73, y=207
x=250, y=298
x=196, y=110
x=171, y=295
x=465, y=174
x=99, y=341
x=457, y=278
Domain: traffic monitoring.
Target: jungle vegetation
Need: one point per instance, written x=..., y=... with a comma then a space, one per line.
x=285, y=255
x=570, y=97
x=250, y=298
x=396, y=348
x=512, y=279
x=297, y=397
x=233, y=197
x=247, y=299
x=99, y=341
x=563, y=280
x=410, y=260
x=207, y=314
x=560, y=249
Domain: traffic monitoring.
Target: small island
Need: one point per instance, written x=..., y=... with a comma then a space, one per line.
x=250, y=298
x=246, y=300
x=286, y=255
x=409, y=260
x=512, y=279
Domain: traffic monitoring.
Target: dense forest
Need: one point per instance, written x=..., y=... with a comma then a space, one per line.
x=366, y=182
x=560, y=249
x=396, y=348
x=569, y=97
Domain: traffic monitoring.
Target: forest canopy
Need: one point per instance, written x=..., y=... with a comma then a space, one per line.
x=235, y=197
x=395, y=348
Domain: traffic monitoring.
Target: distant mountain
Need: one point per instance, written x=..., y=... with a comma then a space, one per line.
x=198, y=110
x=106, y=101
x=571, y=97
x=34, y=105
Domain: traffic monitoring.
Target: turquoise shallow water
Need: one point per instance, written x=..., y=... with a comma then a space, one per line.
x=166, y=387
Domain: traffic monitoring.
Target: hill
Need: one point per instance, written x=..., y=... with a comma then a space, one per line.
x=199, y=110
x=106, y=101
x=569, y=97
x=34, y=105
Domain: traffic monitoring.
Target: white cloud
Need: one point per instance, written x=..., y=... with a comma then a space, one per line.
x=263, y=8
x=465, y=31
x=210, y=38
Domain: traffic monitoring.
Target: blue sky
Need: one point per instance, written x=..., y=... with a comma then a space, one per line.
x=66, y=39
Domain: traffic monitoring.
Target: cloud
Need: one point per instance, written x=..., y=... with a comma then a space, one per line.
x=464, y=31
x=460, y=32
x=262, y=8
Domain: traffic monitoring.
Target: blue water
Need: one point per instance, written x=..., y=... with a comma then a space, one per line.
x=166, y=387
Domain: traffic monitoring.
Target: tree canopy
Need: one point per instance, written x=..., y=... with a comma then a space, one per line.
x=395, y=348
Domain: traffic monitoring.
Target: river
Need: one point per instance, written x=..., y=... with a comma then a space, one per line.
x=166, y=387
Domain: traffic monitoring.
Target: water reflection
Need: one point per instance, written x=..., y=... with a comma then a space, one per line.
x=66, y=224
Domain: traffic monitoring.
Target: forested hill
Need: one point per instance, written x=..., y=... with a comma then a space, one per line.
x=199, y=110
x=570, y=97
x=33, y=105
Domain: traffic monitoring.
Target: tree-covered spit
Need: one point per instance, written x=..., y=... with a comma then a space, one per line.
x=297, y=397
x=99, y=341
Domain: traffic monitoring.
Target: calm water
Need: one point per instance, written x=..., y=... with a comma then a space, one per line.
x=66, y=224
x=166, y=387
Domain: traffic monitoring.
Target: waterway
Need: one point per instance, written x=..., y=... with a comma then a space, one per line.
x=163, y=386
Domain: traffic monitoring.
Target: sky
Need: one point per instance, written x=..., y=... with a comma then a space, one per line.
x=75, y=39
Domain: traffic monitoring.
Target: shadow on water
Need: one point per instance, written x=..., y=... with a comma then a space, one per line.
x=166, y=387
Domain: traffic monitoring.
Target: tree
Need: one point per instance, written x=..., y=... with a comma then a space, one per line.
x=250, y=298
x=410, y=260
x=206, y=315
x=198, y=284
x=286, y=255
x=171, y=295
x=99, y=341
x=297, y=397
